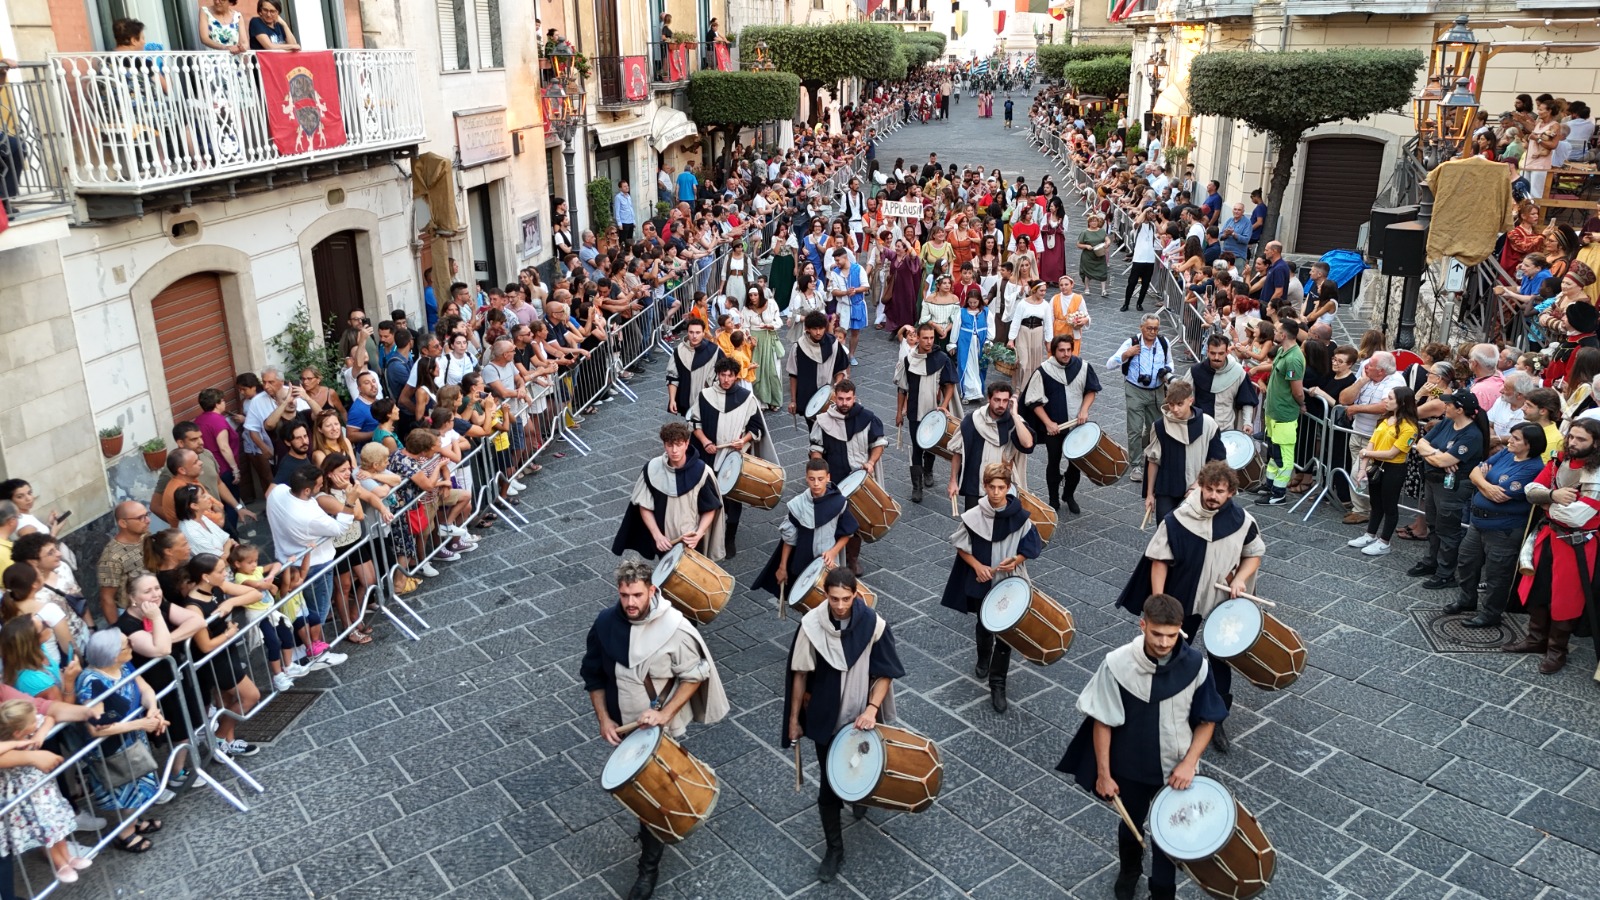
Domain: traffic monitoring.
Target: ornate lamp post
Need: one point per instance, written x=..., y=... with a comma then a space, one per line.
x=564, y=110
x=1156, y=63
x=763, y=60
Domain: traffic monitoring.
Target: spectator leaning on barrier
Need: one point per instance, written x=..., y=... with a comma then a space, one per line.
x=1366, y=402
x=298, y=523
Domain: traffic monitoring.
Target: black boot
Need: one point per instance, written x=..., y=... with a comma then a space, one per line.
x=916, y=484
x=1163, y=892
x=998, y=667
x=728, y=545
x=1053, y=490
x=985, y=639
x=1131, y=857
x=927, y=470
x=833, y=835
x=649, y=865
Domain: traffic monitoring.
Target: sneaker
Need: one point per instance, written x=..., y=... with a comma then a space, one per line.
x=334, y=659
x=459, y=546
x=166, y=797
x=512, y=489
x=240, y=748
x=88, y=821
x=1376, y=548
x=517, y=483
x=428, y=571
x=1278, y=497
x=853, y=361
x=451, y=530
x=282, y=681
x=1361, y=540
x=317, y=664
x=446, y=555
x=296, y=670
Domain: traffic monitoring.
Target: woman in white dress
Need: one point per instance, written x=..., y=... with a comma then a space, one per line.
x=1032, y=323
x=737, y=282
x=808, y=298
x=941, y=308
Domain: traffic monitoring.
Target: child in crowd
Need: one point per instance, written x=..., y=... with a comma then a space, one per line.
x=244, y=560
x=45, y=818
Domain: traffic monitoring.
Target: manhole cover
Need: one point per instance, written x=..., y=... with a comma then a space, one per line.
x=1447, y=634
x=269, y=723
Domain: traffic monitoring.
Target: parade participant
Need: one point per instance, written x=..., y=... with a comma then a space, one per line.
x=1221, y=389
x=1145, y=360
x=817, y=360
x=675, y=500
x=819, y=524
x=1149, y=712
x=847, y=286
x=1069, y=314
x=1182, y=442
x=842, y=666
x=1558, y=591
x=726, y=416
x=1058, y=397
x=925, y=380
x=994, y=541
x=992, y=433
x=1208, y=539
x=691, y=368
x=848, y=436
x=645, y=663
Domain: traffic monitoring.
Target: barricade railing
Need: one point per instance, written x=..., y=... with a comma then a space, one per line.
x=1332, y=462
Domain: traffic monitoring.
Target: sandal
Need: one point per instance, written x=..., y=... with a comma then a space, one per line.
x=148, y=826
x=133, y=843
x=1406, y=534
x=358, y=637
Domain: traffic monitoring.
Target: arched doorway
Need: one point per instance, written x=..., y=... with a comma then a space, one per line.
x=1342, y=177
x=192, y=332
x=336, y=265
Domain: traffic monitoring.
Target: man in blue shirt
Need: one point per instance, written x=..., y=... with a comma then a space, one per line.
x=361, y=423
x=622, y=212
x=1235, y=233
x=1258, y=218
x=587, y=254
x=1275, y=290
x=687, y=184
x=1212, y=205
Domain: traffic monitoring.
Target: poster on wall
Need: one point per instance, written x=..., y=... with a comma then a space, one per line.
x=532, y=236
x=634, y=83
x=302, y=100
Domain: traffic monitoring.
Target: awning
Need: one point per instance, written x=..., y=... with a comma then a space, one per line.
x=1174, y=100
x=670, y=126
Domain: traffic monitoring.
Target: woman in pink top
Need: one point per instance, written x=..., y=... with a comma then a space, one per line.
x=218, y=434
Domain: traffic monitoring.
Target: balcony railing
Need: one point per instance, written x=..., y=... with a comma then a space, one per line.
x=139, y=122
x=674, y=61
x=624, y=80
x=902, y=15
x=32, y=179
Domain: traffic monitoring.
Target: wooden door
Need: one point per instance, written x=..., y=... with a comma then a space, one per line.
x=192, y=331
x=1341, y=180
x=337, y=270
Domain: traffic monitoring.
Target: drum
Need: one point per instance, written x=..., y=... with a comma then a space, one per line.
x=1032, y=623
x=887, y=767
x=1044, y=518
x=749, y=479
x=657, y=780
x=1216, y=840
x=698, y=587
x=820, y=401
x=1244, y=456
x=935, y=431
x=807, y=592
x=1095, y=454
x=1255, y=643
x=875, y=511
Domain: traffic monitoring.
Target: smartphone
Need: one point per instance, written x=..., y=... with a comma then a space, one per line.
x=62, y=517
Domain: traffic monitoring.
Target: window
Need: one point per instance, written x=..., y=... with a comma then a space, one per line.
x=491, y=52
x=453, y=43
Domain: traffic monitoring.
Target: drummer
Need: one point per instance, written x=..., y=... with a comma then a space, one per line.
x=646, y=663
x=691, y=368
x=848, y=436
x=842, y=664
x=819, y=524
x=818, y=359
x=674, y=501
x=1181, y=441
x=1221, y=389
x=726, y=416
x=991, y=433
x=994, y=541
x=1149, y=712
x=1058, y=396
x=926, y=380
x=1208, y=539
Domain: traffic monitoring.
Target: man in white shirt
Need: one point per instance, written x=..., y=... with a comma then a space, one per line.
x=1506, y=413
x=298, y=523
x=855, y=205
x=1364, y=401
x=1157, y=176
x=1144, y=258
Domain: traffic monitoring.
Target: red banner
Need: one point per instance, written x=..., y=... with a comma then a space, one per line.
x=678, y=62
x=724, y=63
x=999, y=21
x=302, y=100
x=635, y=86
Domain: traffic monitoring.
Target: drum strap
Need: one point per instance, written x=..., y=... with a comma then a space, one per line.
x=655, y=698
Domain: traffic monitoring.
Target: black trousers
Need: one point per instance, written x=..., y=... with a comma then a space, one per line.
x=1443, y=510
x=826, y=798
x=627, y=233
x=1164, y=505
x=732, y=511
x=1052, y=468
x=1491, y=557
x=1384, y=487
x=968, y=502
x=1137, y=798
x=1140, y=275
x=923, y=458
x=1221, y=672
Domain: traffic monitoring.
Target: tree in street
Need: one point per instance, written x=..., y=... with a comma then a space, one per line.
x=727, y=102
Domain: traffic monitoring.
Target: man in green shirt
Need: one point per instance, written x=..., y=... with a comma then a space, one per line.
x=1286, y=399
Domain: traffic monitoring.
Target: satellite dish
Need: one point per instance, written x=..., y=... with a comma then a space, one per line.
x=421, y=215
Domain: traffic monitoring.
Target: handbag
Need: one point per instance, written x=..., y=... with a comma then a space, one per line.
x=129, y=764
x=417, y=519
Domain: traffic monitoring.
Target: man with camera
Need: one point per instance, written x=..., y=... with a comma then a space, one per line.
x=1146, y=363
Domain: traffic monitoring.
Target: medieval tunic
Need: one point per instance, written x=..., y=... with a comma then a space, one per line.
x=675, y=498
x=1179, y=447
x=813, y=525
x=846, y=442
x=840, y=661
x=989, y=441
x=921, y=376
x=1559, y=571
x=726, y=416
x=1222, y=395
x=691, y=370
x=1059, y=389
x=631, y=660
x=814, y=364
x=991, y=536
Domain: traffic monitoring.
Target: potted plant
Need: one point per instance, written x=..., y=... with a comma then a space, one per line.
x=155, y=453
x=111, y=441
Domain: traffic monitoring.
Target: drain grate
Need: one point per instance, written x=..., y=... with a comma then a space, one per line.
x=1446, y=634
x=273, y=721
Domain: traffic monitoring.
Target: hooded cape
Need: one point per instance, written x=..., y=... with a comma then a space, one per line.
x=1199, y=547
x=861, y=652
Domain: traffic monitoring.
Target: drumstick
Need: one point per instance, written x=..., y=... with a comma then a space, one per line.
x=627, y=729
x=783, y=597
x=1143, y=523
x=953, y=513
x=899, y=435
x=1261, y=600
x=799, y=773
x=1127, y=819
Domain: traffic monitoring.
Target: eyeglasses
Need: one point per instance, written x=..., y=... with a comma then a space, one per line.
x=142, y=517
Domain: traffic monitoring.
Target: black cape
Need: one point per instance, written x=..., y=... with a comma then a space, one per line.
x=819, y=708
x=962, y=590
x=632, y=533
x=1188, y=558
x=830, y=507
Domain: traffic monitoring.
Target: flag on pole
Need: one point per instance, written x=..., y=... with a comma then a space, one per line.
x=1123, y=9
x=1058, y=9
x=1000, y=21
x=960, y=26
x=982, y=68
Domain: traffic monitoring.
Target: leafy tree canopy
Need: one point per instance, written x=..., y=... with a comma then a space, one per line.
x=932, y=38
x=1054, y=57
x=738, y=99
x=1105, y=76
x=823, y=54
x=1329, y=85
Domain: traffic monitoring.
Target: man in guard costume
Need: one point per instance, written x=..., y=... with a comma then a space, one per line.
x=926, y=380
x=1149, y=712
x=994, y=540
x=1181, y=441
x=817, y=359
x=1221, y=389
x=726, y=416
x=690, y=368
x=1208, y=540
x=841, y=670
x=646, y=663
x=848, y=436
x=992, y=433
x=674, y=501
x=819, y=524
x=1059, y=395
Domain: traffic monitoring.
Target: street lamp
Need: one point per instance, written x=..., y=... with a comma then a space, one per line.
x=1156, y=61
x=563, y=111
x=763, y=61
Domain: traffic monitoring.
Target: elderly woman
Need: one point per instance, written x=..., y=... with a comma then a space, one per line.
x=58, y=586
x=131, y=716
x=189, y=504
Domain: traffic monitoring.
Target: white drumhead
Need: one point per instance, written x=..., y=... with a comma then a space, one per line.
x=667, y=565
x=1232, y=627
x=855, y=763
x=852, y=483
x=932, y=428
x=1006, y=603
x=730, y=465
x=818, y=400
x=1193, y=824
x=1080, y=440
x=629, y=757
x=808, y=579
x=1238, y=449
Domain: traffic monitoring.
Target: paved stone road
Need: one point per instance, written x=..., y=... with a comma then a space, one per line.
x=466, y=765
